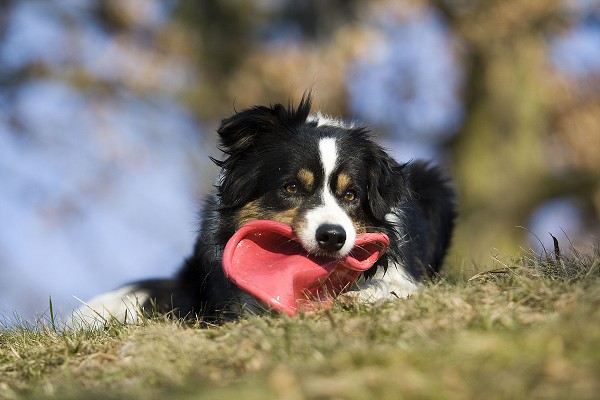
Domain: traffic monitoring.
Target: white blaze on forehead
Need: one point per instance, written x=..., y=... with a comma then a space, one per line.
x=328, y=152
x=329, y=211
x=325, y=120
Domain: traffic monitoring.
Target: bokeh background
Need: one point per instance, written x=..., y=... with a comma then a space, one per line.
x=108, y=110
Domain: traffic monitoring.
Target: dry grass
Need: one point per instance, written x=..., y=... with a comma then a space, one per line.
x=525, y=329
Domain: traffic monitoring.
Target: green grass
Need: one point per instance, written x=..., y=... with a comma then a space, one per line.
x=525, y=329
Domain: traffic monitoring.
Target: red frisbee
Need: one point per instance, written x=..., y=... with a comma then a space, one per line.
x=265, y=259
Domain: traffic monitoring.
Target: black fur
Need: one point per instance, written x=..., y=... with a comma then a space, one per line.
x=413, y=203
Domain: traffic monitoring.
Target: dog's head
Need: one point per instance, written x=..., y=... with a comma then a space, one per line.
x=326, y=179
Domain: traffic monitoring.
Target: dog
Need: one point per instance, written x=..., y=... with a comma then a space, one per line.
x=329, y=181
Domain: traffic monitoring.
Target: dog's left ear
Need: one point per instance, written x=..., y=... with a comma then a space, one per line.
x=387, y=184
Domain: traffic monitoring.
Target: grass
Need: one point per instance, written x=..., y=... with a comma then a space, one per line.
x=527, y=328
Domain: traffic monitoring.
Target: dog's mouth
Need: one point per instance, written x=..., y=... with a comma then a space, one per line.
x=265, y=259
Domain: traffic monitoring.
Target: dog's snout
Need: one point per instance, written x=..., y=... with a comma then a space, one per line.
x=331, y=237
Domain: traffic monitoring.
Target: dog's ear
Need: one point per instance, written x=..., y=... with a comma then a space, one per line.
x=386, y=184
x=239, y=132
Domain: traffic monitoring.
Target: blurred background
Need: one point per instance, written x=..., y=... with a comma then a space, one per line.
x=108, y=110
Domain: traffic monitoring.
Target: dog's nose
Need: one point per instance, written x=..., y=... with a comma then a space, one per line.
x=331, y=237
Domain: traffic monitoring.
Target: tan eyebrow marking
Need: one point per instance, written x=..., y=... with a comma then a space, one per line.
x=343, y=183
x=306, y=178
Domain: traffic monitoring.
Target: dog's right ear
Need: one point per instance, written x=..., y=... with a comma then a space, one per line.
x=239, y=132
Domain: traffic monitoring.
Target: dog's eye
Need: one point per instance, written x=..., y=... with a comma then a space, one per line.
x=350, y=195
x=292, y=188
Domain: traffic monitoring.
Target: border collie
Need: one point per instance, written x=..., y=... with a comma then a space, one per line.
x=308, y=171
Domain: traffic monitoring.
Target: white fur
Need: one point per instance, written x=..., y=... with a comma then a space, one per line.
x=326, y=120
x=122, y=305
x=392, y=284
x=389, y=285
x=330, y=211
x=395, y=217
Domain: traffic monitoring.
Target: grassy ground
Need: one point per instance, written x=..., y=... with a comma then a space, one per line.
x=526, y=329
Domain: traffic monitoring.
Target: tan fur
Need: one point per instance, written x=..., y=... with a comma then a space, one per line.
x=343, y=183
x=306, y=178
x=250, y=212
x=360, y=228
x=285, y=217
